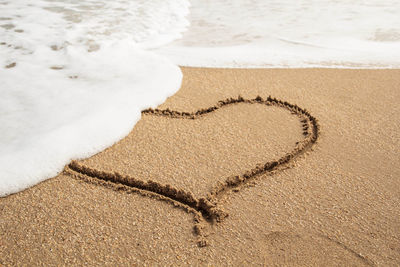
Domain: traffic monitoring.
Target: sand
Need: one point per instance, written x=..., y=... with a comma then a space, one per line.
x=217, y=187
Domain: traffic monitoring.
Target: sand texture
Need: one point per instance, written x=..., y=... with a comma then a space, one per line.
x=274, y=167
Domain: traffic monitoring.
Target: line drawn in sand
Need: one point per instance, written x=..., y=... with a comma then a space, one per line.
x=206, y=210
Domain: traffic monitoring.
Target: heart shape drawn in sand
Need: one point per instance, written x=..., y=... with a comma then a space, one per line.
x=205, y=207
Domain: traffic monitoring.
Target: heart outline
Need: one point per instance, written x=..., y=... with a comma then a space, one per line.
x=205, y=208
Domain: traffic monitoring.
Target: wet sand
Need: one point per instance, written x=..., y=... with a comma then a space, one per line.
x=203, y=182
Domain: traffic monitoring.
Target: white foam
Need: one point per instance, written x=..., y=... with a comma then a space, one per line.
x=74, y=79
x=290, y=33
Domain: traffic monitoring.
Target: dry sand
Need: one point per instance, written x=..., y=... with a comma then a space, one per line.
x=335, y=203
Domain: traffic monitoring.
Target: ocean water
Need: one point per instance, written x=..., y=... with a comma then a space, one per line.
x=75, y=74
x=290, y=33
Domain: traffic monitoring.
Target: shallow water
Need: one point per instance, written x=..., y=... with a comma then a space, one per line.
x=288, y=33
x=75, y=77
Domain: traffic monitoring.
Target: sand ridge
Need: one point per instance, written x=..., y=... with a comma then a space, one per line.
x=207, y=207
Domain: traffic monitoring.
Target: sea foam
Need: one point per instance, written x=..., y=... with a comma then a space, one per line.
x=75, y=77
x=290, y=33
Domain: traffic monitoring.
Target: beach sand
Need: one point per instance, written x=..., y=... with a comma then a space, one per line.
x=334, y=202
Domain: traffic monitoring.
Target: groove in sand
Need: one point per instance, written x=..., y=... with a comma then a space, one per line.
x=204, y=209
